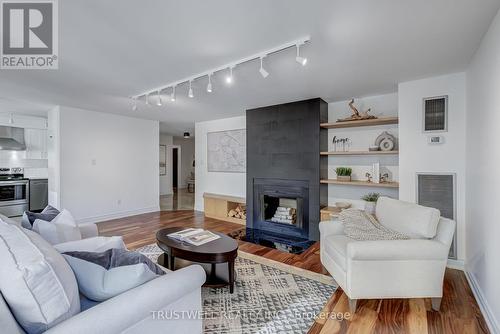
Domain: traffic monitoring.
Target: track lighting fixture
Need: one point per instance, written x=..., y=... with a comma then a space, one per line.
x=226, y=69
x=158, y=103
x=229, y=77
x=262, y=71
x=301, y=60
x=134, y=106
x=172, y=96
x=11, y=119
x=209, y=86
x=186, y=135
x=190, y=92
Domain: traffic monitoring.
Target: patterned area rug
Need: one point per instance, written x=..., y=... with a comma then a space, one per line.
x=269, y=297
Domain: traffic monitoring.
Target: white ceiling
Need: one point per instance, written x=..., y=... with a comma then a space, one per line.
x=110, y=50
x=8, y=105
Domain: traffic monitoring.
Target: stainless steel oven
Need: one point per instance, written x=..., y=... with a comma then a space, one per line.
x=14, y=192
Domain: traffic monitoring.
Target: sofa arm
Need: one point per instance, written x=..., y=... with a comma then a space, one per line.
x=388, y=250
x=134, y=306
x=96, y=244
x=330, y=228
x=88, y=230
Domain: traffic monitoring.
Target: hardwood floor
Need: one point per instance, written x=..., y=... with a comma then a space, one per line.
x=459, y=310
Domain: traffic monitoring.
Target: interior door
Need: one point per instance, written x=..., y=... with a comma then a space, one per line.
x=175, y=177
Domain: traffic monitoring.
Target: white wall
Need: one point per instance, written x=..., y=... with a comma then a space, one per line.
x=166, y=180
x=108, y=164
x=362, y=137
x=186, y=151
x=54, y=157
x=233, y=184
x=483, y=185
x=416, y=155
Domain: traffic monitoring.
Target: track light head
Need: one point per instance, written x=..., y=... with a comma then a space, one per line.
x=209, y=86
x=147, y=99
x=301, y=60
x=159, y=102
x=172, y=95
x=190, y=92
x=262, y=71
x=229, y=77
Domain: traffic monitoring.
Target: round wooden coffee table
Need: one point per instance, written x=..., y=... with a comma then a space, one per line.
x=222, y=250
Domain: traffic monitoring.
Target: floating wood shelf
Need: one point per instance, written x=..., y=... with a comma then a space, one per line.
x=366, y=122
x=361, y=183
x=361, y=153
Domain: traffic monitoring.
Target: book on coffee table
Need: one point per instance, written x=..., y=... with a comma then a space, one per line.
x=194, y=236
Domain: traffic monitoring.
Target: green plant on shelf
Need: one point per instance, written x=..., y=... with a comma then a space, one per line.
x=343, y=171
x=371, y=197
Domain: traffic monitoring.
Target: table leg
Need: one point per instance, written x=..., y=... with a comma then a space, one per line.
x=171, y=261
x=231, y=275
x=212, y=272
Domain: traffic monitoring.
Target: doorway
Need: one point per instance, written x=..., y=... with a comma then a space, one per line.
x=175, y=169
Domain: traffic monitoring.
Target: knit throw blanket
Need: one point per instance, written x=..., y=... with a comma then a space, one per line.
x=361, y=226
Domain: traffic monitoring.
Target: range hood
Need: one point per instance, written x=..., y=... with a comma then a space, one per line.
x=12, y=139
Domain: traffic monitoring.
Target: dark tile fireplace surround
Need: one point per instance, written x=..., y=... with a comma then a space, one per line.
x=284, y=168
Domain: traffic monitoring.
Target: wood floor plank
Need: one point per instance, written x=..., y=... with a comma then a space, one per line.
x=459, y=312
x=416, y=320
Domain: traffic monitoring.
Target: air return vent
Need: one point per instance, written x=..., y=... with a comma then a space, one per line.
x=438, y=191
x=435, y=114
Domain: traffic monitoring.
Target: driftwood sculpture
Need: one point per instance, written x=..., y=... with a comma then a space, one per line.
x=356, y=115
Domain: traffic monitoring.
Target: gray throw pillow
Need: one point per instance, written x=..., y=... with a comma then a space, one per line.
x=101, y=276
x=48, y=214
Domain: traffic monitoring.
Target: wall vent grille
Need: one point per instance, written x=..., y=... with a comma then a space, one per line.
x=435, y=114
x=438, y=191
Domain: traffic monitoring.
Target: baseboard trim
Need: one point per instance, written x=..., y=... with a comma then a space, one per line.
x=488, y=315
x=456, y=264
x=116, y=215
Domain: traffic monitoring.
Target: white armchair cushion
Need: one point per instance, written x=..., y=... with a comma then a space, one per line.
x=35, y=280
x=396, y=250
x=416, y=221
x=61, y=229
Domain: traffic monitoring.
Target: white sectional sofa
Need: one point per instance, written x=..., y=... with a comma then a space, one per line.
x=168, y=304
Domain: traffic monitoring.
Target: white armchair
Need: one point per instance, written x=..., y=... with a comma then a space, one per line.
x=391, y=268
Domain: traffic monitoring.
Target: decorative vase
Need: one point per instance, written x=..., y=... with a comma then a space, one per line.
x=345, y=178
x=370, y=207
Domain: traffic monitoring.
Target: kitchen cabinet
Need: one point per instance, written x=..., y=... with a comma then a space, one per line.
x=36, y=143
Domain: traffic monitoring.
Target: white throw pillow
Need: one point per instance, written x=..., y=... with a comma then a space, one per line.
x=99, y=284
x=416, y=221
x=35, y=280
x=61, y=229
x=95, y=244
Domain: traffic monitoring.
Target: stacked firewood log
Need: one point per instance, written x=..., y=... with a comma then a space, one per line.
x=239, y=212
x=285, y=215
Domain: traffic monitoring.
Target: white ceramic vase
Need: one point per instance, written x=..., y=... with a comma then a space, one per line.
x=370, y=207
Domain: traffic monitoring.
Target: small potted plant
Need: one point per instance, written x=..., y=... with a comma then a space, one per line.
x=343, y=173
x=370, y=202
